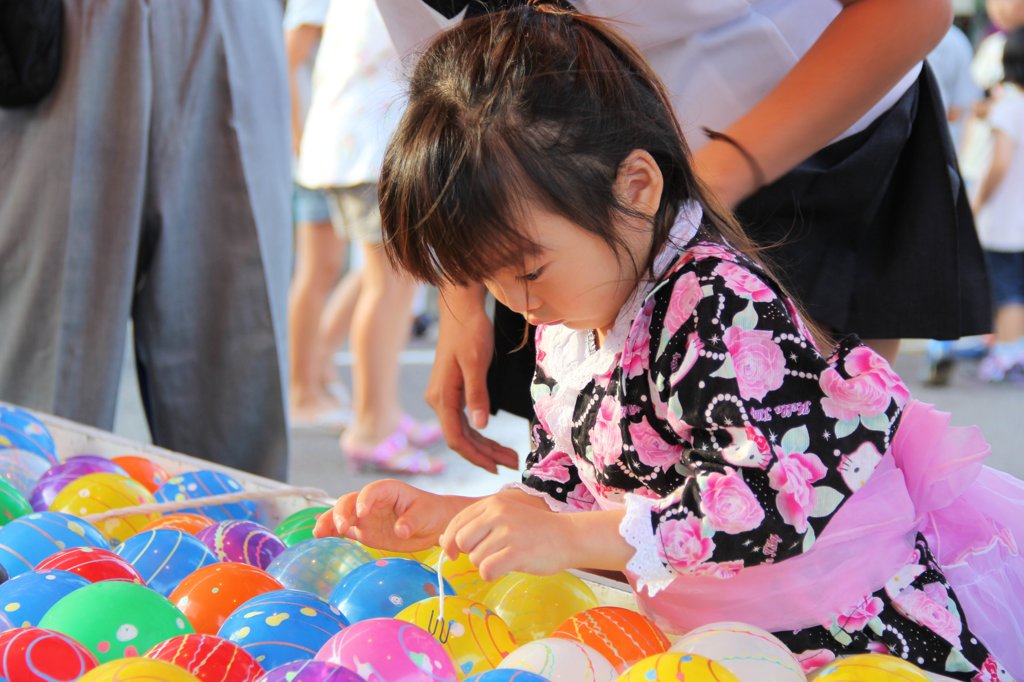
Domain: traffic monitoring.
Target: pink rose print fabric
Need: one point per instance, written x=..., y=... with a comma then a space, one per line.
x=746, y=441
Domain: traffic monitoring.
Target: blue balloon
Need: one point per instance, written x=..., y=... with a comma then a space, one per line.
x=24, y=599
x=22, y=469
x=310, y=671
x=20, y=430
x=27, y=540
x=507, y=675
x=164, y=557
x=383, y=587
x=194, y=485
x=317, y=565
x=282, y=626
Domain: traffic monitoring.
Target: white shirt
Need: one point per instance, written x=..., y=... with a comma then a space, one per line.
x=1001, y=219
x=718, y=58
x=305, y=13
x=358, y=91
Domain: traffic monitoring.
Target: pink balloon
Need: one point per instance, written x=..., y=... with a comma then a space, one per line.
x=389, y=650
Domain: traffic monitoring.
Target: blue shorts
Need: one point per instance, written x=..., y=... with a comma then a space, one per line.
x=1006, y=270
x=309, y=206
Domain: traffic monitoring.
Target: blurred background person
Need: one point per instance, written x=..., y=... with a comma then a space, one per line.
x=357, y=102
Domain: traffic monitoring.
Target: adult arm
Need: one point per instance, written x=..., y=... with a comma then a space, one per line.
x=862, y=55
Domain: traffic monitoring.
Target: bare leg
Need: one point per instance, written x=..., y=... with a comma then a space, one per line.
x=380, y=329
x=887, y=348
x=335, y=324
x=1009, y=323
x=319, y=255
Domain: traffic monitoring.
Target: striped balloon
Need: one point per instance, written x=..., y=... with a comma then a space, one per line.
x=245, y=542
x=165, y=557
x=33, y=654
x=92, y=563
x=195, y=485
x=27, y=540
x=620, y=635
x=210, y=658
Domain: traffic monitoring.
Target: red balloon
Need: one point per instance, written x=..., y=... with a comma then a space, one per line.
x=210, y=594
x=93, y=564
x=143, y=470
x=210, y=658
x=33, y=654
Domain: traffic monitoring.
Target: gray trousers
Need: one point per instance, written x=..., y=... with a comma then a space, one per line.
x=153, y=185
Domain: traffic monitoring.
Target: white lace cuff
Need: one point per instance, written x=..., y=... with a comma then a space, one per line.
x=553, y=504
x=637, y=530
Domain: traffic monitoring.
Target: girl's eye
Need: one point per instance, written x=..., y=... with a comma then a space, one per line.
x=531, y=276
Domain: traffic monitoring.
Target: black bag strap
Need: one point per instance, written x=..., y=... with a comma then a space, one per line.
x=30, y=49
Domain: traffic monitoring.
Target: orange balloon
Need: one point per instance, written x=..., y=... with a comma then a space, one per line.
x=620, y=635
x=143, y=470
x=190, y=523
x=209, y=595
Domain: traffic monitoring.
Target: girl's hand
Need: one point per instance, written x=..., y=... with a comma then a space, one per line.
x=510, y=532
x=389, y=514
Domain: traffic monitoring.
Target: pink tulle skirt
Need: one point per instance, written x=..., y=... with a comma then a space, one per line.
x=932, y=481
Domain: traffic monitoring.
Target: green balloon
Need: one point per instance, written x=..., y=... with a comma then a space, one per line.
x=115, y=619
x=298, y=527
x=12, y=503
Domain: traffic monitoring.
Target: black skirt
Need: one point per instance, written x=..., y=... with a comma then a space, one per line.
x=873, y=235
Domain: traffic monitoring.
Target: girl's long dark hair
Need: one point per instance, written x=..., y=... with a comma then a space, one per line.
x=535, y=104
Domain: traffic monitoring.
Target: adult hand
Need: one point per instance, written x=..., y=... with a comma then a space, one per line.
x=389, y=514
x=511, y=532
x=458, y=379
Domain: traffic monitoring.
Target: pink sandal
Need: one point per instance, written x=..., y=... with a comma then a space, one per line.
x=393, y=455
x=420, y=434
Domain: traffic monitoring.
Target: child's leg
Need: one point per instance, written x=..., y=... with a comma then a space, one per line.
x=335, y=325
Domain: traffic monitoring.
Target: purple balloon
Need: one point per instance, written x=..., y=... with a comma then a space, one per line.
x=58, y=476
x=310, y=671
x=245, y=542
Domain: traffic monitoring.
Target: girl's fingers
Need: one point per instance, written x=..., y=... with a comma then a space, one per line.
x=497, y=564
x=344, y=514
x=324, y=527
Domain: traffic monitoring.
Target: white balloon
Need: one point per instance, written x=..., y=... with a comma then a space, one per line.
x=561, y=660
x=748, y=652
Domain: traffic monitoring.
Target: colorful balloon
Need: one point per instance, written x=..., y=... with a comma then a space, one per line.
x=421, y=555
x=748, y=652
x=383, y=587
x=507, y=675
x=165, y=557
x=195, y=485
x=310, y=671
x=92, y=563
x=12, y=503
x=317, y=565
x=138, y=669
x=561, y=660
x=246, y=542
x=25, y=598
x=116, y=619
x=60, y=475
x=32, y=654
x=212, y=593
x=26, y=541
x=22, y=469
x=620, y=635
x=282, y=626
x=190, y=523
x=298, y=527
x=144, y=470
x=869, y=668
x=21, y=430
x=98, y=493
x=533, y=606
x=391, y=649
x=461, y=574
x=209, y=658
x=476, y=640
x=676, y=666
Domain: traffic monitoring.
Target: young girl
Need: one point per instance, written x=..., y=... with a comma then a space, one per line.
x=686, y=419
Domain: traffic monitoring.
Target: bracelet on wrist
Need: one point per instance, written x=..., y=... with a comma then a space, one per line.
x=760, y=180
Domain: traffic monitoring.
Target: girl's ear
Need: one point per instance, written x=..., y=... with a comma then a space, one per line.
x=639, y=183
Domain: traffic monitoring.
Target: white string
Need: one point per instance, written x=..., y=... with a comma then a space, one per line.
x=440, y=588
x=310, y=494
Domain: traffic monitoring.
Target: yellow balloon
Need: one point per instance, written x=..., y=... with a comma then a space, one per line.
x=461, y=574
x=138, y=670
x=533, y=606
x=475, y=638
x=870, y=668
x=98, y=493
x=422, y=555
x=677, y=666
